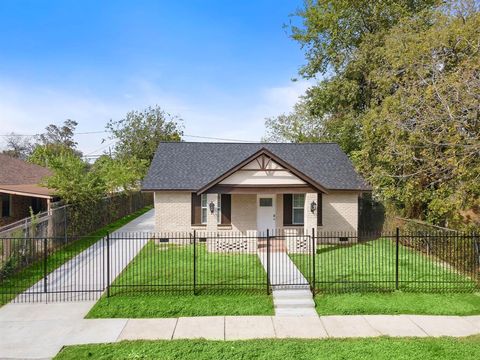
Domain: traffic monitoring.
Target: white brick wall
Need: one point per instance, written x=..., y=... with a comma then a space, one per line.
x=173, y=212
x=340, y=211
x=244, y=212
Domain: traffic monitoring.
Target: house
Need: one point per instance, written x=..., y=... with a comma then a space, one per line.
x=20, y=190
x=253, y=187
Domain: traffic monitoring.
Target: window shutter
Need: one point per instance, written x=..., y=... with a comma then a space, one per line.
x=287, y=209
x=319, y=209
x=226, y=209
x=196, y=209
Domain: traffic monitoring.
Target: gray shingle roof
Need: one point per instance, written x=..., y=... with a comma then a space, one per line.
x=192, y=165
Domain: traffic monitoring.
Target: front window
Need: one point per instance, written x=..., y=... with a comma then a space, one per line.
x=6, y=205
x=298, y=203
x=205, y=208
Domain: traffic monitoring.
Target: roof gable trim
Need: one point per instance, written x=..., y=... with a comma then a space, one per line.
x=265, y=152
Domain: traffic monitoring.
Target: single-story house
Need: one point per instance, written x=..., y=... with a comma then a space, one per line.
x=20, y=190
x=253, y=187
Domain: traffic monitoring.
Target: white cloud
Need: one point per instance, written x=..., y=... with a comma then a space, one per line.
x=28, y=109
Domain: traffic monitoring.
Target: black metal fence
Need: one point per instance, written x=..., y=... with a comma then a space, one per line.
x=19, y=243
x=200, y=262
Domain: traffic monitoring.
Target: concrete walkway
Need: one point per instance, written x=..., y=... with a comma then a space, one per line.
x=291, y=290
x=84, y=274
x=39, y=331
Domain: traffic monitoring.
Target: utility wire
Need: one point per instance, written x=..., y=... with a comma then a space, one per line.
x=104, y=131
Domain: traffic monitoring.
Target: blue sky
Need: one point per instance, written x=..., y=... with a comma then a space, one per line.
x=223, y=66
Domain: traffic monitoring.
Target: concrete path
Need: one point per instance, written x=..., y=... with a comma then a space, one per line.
x=84, y=274
x=39, y=331
x=291, y=290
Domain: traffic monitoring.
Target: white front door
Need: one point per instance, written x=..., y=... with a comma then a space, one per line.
x=265, y=212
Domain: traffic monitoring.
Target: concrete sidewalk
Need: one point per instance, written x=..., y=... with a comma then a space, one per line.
x=39, y=331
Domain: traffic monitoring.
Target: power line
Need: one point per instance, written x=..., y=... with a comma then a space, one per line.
x=104, y=131
x=216, y=138
x=78, y=133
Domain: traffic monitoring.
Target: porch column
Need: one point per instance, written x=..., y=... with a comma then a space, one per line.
x=212, y=223
x=310, y=219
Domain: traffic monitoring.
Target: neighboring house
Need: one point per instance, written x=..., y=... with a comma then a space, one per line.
x=253, y=186
x=20, y=190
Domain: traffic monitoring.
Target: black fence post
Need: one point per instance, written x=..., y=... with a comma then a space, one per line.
x=268, y=262
x=313, y=261
x=476, y=246
x=45, y=258
x=397, y=244
x=65, y=225
x=108, y=264
x=194, y=262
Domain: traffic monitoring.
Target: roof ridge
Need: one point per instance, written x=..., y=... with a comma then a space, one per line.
x=248, y=143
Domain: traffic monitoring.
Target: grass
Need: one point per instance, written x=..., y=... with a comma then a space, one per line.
x=28, y=276
x=398, y=303
x=176, y=305
x=371, y=266
x=360, y=279
x=165, y=266
x=333, y=349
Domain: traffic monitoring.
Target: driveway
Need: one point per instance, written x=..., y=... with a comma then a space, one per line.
x=84, y=276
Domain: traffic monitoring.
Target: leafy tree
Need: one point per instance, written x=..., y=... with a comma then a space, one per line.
x=140, y=132
x=422, y=142
x=298, y=126
x=43, y=155
x=18, y=146
x=73, y=181
x=119, y=174
x=60, y=135
x=57, y=141
x=331, y=33
x=399, y=93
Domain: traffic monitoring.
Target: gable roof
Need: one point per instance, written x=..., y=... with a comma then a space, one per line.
x=264, y=151
x=194, y=165
x=20, y=177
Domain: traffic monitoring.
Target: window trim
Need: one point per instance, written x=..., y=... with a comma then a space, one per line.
x=202, y=220
x=297, y=208
x=219, y=209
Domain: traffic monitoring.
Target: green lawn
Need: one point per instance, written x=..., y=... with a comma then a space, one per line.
x=360, y=279
x=159, y=268
x=398, y=303
x=370, y=266
x=332, y=349
x=22, y=280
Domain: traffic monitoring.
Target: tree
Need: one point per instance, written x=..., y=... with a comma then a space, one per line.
x=140, y=132
x=331, y=34
x=60, y=135
x=72, y=180
x=119, y=174
x=57, y=141
x=422, y=142
x=297, y=126
x=18, y=146
x=400, y=94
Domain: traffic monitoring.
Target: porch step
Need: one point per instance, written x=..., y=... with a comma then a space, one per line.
x=290, y=287
x=296, y=312
x=303, y=303
x=292, y=294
